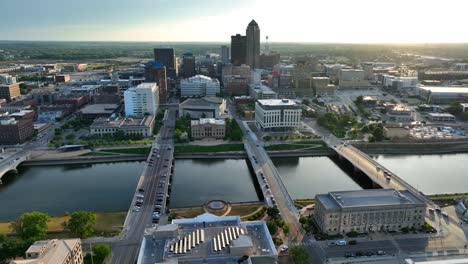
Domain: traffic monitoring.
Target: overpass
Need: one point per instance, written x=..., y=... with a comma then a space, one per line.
x=11, y=163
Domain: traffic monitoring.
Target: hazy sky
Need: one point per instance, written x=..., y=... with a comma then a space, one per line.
x=215, y=20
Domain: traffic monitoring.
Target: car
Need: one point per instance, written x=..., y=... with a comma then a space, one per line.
x=359, y=254
x=141, y=190
x=438, y=210
x=341, y=243
x=283, y=248
x=331, y=243
x=369, y=253
x=445, y=214
x=165, y=166
x=381, y=252
x=431, y=210
x=352, y=242
x=169, y=148
x=349, y=255
x=159, y=200
x=140, y=195
x=158, y=156
x=139, y=201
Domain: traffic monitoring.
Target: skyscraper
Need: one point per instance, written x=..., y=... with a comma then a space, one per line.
x=167, y=57
x=142, y=100
x=253, y=45
x=188, y=65
x=156, y=72
x=238, y=49
x=225, y=54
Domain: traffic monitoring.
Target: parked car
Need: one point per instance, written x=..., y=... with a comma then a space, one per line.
x=341, y=243
x=352, y=242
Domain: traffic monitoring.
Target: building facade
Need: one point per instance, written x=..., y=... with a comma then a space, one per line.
x=352, y=79
x=142, y=127
x=225, y=54
x=15, y=131
x=253, y=45
x=141, y=100
x=368, y=210
x=10, y=91
x=156, y=72
x=277, y=114
x=261, y=92
x=208, y=128
x=238, y=49
x=57, y=251
x=199, y=85
x=210, y=107
x=167, y=57
x=188, y=65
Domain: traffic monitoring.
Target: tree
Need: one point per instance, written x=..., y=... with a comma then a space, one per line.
x=359, y=100
x=101, y=251
x=12, y=248
x=299, y=255
x=378, y=133
x=286, y=229
x=31, y=226
x=302, y=220
x=82, y=223
x=3, y=238
x=70, y=136
x=272, y=227
x=272, y=212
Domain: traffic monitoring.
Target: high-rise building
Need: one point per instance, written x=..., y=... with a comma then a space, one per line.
x=167, y=57
x=156, y=72
x=225, y=54
x=142, y=100
x=10, y=91
x=199, y=85
x=253, y=45
x=238, y=49
x=188, y=65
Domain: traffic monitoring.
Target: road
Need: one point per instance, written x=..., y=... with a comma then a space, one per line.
x=126, y=248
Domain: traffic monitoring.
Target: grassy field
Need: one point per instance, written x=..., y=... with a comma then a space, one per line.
x=188, y=212
x=137, y=151
x=304, y=202
x=448, y=196
x=106, y=222
x=306, y=145
x=246, y=209
x=217, y=148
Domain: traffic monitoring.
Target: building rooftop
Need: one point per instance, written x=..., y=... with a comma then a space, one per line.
x=21, y=113
x=205, y=101
x=99, y=109
x=146, y=85
x=441, y=115
x=368, y=198
x=200, y=78
x=277, y=102
x=204, y=121
x=121, y=121
x=444, y=89
x=50, y=251
x=166, y=244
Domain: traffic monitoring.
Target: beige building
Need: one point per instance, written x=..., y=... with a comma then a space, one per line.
x=130, y=126
x=397, y=132
x=368, y=210
x=399, y=113
x=322, y=86
x=56, y=251
x=10, y=91
x=208, y=128
x=352, y=79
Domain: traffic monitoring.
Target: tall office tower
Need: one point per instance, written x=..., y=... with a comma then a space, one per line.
x=253, y=45
x=156, y=72
x=167, y=57
x=238, y=49
x=225, y=54
x=141, y=100
x=188, y=65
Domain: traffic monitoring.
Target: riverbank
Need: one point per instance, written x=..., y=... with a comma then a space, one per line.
x=107, y=224
x=419, y=148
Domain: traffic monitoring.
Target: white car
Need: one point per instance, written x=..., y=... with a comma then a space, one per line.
x=136, y=209
x=283, y=248
x=341, y=243
x=140, y=195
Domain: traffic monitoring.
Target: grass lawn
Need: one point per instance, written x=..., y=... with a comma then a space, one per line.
x=304, y=202
x=217, y=148
x=97, y=153
x=105, y=222
x=306, y=145
x=448, y=196
x=188, y=212
x=242, y=210
x=137, y=151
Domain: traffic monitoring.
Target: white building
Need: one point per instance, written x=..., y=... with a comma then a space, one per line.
x=352, y=79
x=199, y=85
x=142, y=127
x=368, y=210
x=441, y=117
x=141, y=100
x=277, y=113
x=399, y=82
x=261, y=92
x=7, y=79
x=57, y=251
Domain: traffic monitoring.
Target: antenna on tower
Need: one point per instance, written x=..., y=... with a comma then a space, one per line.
x=267, y=47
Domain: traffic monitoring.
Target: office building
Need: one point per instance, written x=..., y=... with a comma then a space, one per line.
x=6, y=78
x=139, y=127
x=225, y=54
x=209, y=107
x=93, y=111
x=236, y=85
x=443, y=75
x=352, y=79
x=15, y=131
x=208, y=128
x=208, y=239
x=268, y=61
x=442, y=94
x=368, y=210
x=156, y=72
x=261, y=92
x=167, y=57
x=322, y=86
x=142, y=100
x=233, y=70
x=199, y=85
x=276, y=114
x=398, y=113
x=188, y=65
x=238, y=49
x=56, y=251
x=63, y=78
x=10, y=91
x=441, y=117
x=253, y=45
x=23, y=114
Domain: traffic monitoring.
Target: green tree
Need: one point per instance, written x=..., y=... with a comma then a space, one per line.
x=359, y=100
x=302, y=220
x=12, y=248
x=272, y=212
x=272, y=227
x=299, y=255
x=31, y=226
x=101, y=251
x=286, y=229
x=82, y=223
x=3, y=238
x=378, y=133
x=70, y=136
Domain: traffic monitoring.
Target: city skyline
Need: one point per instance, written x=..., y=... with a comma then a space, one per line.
x=335, y=21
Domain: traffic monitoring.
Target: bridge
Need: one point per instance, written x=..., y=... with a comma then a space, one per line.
x=11, y=163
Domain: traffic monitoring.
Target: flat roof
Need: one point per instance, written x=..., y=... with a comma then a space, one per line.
x=99, y=109
x=204, y=121
x=441, y=115
x=368, y=198
x=277, y=102
x=444, y=89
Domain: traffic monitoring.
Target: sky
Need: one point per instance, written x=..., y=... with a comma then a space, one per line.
x=348, y=21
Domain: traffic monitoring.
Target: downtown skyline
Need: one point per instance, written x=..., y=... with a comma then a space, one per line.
x=336, y=21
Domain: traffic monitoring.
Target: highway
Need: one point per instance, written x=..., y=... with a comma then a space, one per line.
x=125, y=249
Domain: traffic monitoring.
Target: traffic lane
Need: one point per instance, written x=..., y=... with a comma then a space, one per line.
x=365, y=246
x=413, y=244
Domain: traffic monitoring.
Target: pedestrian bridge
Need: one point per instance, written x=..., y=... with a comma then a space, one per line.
x=376, y=172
